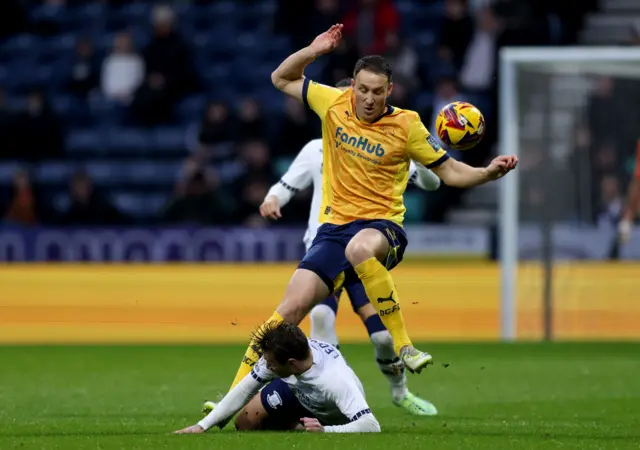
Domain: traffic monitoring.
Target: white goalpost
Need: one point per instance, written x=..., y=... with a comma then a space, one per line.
x=555, y=110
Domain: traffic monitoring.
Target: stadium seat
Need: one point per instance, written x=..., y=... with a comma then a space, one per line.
x=153, y=173
x=107, y=173
x=191, y=109
x=7, y=169
x=139, y=205
x=169, y=139
x=88, y=141
x=53, y=173
x=128, y=141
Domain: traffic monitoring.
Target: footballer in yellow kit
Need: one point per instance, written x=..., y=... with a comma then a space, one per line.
x=367, y=148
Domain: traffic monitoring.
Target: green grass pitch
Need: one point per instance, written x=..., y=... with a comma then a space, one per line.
x=490, y=396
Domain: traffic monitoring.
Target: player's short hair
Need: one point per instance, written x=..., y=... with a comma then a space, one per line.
x=374, y=63
x=345, y=82
x=282, y=340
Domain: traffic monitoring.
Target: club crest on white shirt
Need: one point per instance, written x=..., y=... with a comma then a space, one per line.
x=274, y=400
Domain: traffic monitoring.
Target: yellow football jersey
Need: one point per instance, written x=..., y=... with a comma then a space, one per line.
x=366, y=165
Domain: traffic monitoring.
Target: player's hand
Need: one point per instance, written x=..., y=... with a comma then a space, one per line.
x=193, y=429
x=270, y=208
x=624, y=230
x=312, y=425
x=501, y=166
x=327, y=41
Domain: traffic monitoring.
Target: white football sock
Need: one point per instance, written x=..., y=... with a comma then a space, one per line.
x=323, y=324
x=389, y=363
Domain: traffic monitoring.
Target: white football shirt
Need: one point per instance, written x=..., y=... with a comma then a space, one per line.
x=330, y=389
x=306, y=169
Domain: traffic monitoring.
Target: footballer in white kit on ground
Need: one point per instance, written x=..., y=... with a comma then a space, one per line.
x=298, y=384
x=305, y=170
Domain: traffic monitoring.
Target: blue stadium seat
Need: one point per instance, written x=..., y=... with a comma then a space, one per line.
x=153, y=173
x=87, y=17
x=106, y=112
x=128, y=141
x=21, y=46
x=57, y=47
x=53, y=173
x=22, y=75
x=169, y=139
x=88, y=141
x=105, y=173
x=139, y=205
x=191, y=109
x=7, y=169
x=218, y=75
x=123, y=17
x=229, y=172
x=73, y=110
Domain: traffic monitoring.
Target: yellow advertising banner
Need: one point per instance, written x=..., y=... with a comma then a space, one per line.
x=223, y=303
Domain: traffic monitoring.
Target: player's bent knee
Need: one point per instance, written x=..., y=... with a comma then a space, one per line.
x=322, y=317
x=367, y=244
x=304, y=291
x=382, y=339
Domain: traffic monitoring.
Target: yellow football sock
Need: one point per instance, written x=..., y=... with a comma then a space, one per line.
x=382, y=294
x=251, y=357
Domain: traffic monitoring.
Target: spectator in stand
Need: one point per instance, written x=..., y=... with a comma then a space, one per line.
x=24, y=206
x=404, y=61
x=169, y=72
x=369, y=22
x=251, y=122
x=215, y=131
x=327, y=12
x=455, y=33
x=199, y=200
x=479, y=66
x=297, y=126
x=122, y=71
x=88, y=206
x=254, y=183
x=340, y=62
x=39, y=131
x=85, y=71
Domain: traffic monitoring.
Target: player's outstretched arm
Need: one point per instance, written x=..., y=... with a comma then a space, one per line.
x=352, y=404
x=424, y=149
x=289, y=76
x=234, y=401
x=457, y=174
x=297, y=177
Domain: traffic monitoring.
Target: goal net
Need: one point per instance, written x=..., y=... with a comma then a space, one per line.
x=572, y=116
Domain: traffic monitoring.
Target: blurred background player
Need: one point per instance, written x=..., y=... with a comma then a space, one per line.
x=633, y=202
x=305, y=170
x=313, y=389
